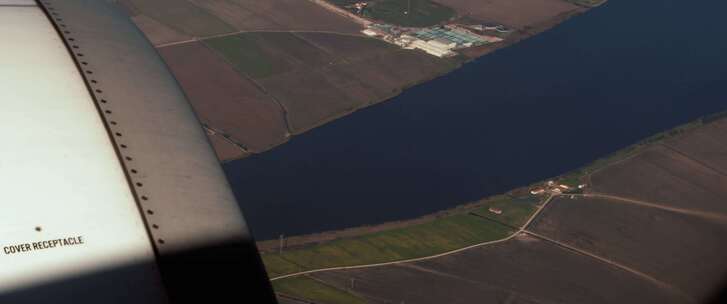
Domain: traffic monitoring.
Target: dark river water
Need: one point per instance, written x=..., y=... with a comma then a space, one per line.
x=550, y=104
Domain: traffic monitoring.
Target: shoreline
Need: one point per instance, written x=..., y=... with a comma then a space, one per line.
x=579, y=175
x=466, y=57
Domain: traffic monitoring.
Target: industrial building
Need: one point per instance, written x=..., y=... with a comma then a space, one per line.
x=440, y=41
x=459, y=36
x=434, y=47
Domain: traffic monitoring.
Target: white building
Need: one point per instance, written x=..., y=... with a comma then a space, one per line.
x=442, y=43
x=369, y=32
x=433, y=47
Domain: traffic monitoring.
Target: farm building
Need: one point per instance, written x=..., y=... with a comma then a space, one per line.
x=495, y=210
x=433, y=48
x=458, y=36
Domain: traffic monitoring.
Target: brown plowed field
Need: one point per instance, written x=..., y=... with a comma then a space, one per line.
x=513, y=13
x=224, y=100
x=315, y=62
x=684, y=251
x=316, y=79
x=224, y=149
x=313, y=97
x=309, y=98
x=342, y=46
x=202, y=19
x=381, y=69
x=522, y=270
x=661, y=176
x=182, y=16
x=282, y=15
x=708, y=145
x=156, y=32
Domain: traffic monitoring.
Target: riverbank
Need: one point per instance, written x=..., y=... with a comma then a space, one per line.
x=434, y=235
x=259, y=85
x=572, y=178
x=547, y=105
x=444, y=67
x=452, y=230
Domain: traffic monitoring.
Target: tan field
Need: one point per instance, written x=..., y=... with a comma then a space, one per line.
x=224, y=100
x=514, y=13
x=278, y=15
x=266, y=69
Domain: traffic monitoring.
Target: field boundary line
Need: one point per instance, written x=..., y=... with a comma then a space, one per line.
x=514, y=234
x=698, y=213
x=699, y=162
x=199, y=39
x=633, y=271
x=258, y=86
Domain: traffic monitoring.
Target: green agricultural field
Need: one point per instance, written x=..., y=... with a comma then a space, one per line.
x=423, y=12
x=245, y=53
x=312, y=290
x=261, y=55
x=437, y=236
x=515, y=211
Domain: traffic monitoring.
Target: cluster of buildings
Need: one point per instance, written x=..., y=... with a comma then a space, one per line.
x=440, y=41
x=358, y=7
x=551, y=187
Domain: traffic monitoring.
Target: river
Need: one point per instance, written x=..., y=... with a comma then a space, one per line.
x=590, y=86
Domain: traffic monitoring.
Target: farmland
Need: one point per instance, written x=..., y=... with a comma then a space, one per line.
x=649, y=243
x=252, y=56
x=306, y=288
x=414, y=13
x=277, y=15
x=265, y=70
x=186, y=19
x=461, y=227
x=515, y=211
x=639, y=237
x=226, y=101
x=425, y=239
x=702, y=144
x=257, y=88
x=522, y=270
x=181, y=16
x=158, y=32
x=224, y=148
x=316, y=84
x=666, y=178
x=517, y=14
x=303, y=64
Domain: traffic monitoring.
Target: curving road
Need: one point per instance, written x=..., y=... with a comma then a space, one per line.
x=514, y=234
